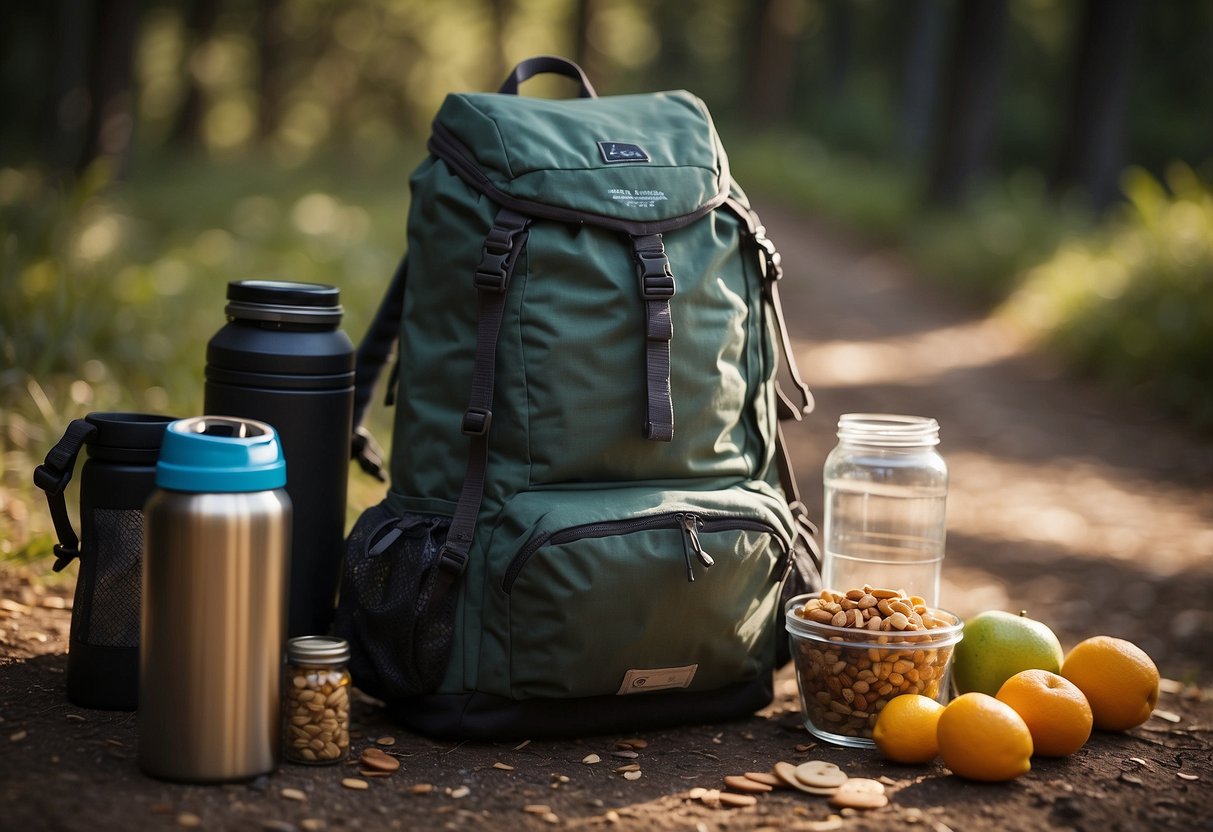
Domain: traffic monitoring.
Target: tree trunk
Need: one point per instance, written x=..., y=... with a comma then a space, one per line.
x=270, y=38
x=920, y=76
x=67, y=112
x=840, y=34
x=585, y=54
x=974, y=88
x=111, y=96
x=500, y=11
x=1093, y=143
x=771, y=62
x=199, y=27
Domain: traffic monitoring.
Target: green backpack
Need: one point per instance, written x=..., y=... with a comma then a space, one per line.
x=591, y=517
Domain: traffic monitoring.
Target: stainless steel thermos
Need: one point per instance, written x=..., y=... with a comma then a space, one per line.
x=115, y=482
x=282, y=359
x=214, y=602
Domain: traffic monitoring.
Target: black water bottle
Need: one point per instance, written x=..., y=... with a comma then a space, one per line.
x=282, y=359
x=115, y=482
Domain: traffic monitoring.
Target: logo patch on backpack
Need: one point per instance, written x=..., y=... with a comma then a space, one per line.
x=661, y=678
x=616, y=152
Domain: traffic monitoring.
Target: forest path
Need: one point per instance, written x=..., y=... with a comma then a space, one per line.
x=1065, y=499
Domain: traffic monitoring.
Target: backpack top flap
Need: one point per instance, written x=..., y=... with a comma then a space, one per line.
x=636, y=163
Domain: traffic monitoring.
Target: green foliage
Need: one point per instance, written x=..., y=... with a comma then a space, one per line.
x=111, y=292
x=981, y=249
x=873, y=198
x=1133, y=303
x=1128, y=300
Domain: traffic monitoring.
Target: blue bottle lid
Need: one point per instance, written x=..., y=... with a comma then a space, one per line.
x=220, y=454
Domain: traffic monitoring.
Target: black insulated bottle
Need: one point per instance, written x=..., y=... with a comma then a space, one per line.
x=282, y=359
x=115, y=482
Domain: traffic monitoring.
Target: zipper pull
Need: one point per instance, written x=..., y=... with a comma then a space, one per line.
x=690, y=542
x=684, y=523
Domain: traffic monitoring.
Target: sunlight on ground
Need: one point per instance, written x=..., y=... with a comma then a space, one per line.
x=916, y=358
x=1084, y=510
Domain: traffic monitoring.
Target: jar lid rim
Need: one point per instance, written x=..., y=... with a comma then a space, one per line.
x=318, y=649
x=888, y=429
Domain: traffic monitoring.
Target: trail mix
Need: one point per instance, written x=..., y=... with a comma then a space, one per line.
x=846, y=680
x=318, y=714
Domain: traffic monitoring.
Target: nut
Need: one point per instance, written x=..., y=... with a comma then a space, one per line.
x=317, y=714
x=844, y=686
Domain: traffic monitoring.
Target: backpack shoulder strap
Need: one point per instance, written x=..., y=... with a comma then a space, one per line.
x=773, y=272
x=373, y=353
x=502, y=245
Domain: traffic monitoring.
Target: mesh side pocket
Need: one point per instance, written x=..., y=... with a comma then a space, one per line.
x=113, y=584
x=398, y=647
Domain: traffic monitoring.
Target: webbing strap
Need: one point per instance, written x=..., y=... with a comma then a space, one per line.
x=656, y=289
x=52, y=476
x=372, y=354
x=771, y=259
x=498, y=257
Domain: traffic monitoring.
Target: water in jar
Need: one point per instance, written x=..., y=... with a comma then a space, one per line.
x=884, y=534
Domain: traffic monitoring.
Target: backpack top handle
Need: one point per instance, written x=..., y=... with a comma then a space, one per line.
x=543, y=64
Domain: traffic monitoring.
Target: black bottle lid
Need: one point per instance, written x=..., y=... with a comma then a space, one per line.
x=284, y=302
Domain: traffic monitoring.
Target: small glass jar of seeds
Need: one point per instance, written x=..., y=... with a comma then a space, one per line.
x=317, y=700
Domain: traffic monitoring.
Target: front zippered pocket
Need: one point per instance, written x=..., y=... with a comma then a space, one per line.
x=620, y=591
x=689, y=523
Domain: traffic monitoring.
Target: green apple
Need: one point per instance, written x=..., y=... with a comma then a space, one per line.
x=997, y=645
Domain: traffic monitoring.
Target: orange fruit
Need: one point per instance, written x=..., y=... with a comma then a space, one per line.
x=1054, y=709
x=1118, y=679
x=981, y=738
x=905, y=730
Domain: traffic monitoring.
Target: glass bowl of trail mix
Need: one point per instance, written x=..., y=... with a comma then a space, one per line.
x=856, y=649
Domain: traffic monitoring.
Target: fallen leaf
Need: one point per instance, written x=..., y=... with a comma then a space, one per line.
x=503, y=766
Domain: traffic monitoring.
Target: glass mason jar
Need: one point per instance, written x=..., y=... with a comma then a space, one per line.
x=317, y=707
x=886, y=489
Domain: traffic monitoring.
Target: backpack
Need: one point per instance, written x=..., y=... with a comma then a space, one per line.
x=591, y=516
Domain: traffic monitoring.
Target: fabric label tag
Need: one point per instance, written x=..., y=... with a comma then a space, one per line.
x=661, y=678
x=615, y=152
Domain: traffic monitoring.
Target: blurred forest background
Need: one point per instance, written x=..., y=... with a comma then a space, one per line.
x=1050, y=159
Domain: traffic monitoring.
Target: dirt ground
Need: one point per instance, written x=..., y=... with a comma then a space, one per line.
x=1090, y=510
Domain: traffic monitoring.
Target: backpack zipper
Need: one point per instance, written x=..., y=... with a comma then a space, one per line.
x=688, y=524
x=690, y=542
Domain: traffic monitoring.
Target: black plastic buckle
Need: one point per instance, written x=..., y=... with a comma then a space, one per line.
x=656, y=279
x=451, y=560
x=476, y=421
x=50, y=481
x=63, y=556
x=500, y=251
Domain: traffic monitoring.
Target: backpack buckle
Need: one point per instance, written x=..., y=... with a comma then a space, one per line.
x=451, y=560
x=656, y=277
x=772, y=259
x=476, y=421
x=500, y=252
